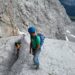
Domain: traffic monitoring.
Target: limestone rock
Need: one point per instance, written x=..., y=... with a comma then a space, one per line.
x=48, y=16
x=56, y=58
x=7, y=54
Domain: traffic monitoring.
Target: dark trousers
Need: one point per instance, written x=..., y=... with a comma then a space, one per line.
x=18, y=52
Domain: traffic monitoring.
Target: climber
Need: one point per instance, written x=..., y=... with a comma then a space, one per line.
x=36, y=43
x=18, y=46
x=35, y=47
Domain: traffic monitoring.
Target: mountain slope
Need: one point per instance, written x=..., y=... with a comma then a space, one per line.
x=56, y=58
x=48, y=16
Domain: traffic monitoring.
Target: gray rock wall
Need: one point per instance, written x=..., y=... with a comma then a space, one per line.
x=56, y=58
x=48, y=16
x=7, y=54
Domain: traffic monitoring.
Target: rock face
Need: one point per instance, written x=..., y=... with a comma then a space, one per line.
x=56, y=58
x=70, y=32
x=48, y=16
x=61, y=61
x=7, y=26
x=7, y=54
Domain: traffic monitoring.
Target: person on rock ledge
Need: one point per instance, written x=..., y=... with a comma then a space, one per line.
x=35, y=45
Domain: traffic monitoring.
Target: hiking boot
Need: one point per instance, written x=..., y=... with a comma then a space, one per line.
x=37, y=67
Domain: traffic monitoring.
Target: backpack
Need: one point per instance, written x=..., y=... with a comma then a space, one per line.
x=42, y=38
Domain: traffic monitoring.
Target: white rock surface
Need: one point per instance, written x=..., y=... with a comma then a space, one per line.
x=7, y=54
x=56, y=58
